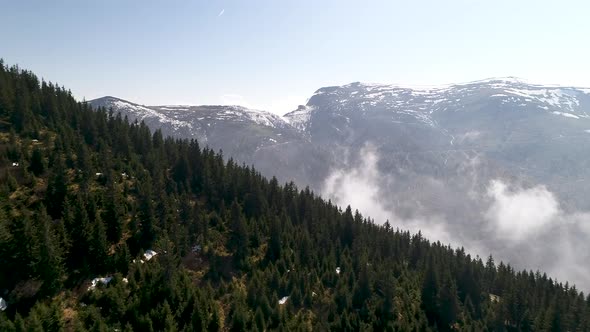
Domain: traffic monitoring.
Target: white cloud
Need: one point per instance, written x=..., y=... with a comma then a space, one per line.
x=221, y=12
x=359, y=187
x=523, y=226
x=537, y=233
x=522, y=212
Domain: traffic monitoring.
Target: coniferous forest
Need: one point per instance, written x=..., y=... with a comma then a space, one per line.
x=106, y=226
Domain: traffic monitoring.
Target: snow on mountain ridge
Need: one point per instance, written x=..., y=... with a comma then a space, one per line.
x=169, y=113
x=496, y=82
x=142, y=112
x=408, y=104
x=260, y=117
x=419, y=87
x=433, y=97
x=299, y=117
x=405, y=102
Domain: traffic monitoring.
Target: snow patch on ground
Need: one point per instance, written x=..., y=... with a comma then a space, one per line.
x=141, y=113
x=149, y=254
x=96, y=281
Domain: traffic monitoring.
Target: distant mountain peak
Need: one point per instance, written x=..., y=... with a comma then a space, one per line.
x=506, y=79
x=497, y=81
x=300, y=117
x=411, y=104
x=211, y=125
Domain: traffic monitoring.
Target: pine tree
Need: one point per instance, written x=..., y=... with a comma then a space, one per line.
x=239, y=234
x=147, y=228
x=259, y=320
x=57, y=189
x=273, y=251
x=113, y=214
x=99, y=247
x=24, y=247
x=215, y=322
x=22, y=118
x=448, y=303
x=7, y=251
x=37, y=164
x=50, y=266
x=19, y=323
x=429, y=295
x=6, y=324
x=80, y=232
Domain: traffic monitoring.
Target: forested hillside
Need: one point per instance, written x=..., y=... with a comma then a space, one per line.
x=187, y=240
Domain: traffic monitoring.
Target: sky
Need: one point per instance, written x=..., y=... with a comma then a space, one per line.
x=274, y=54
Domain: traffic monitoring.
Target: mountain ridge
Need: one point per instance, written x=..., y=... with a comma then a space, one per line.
x=107, y=225
x=417, y=87
x=438, y=152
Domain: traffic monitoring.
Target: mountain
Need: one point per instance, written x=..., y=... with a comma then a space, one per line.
x=231, y=128
x=107, y=226
x=249, y=136
x=509, y=127
x=459, y=162
x=498, y=166
x=536, y=132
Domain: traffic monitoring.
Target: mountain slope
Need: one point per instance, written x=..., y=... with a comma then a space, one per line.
x=497, y=119
x=494, y=128
x=248, y=136
x=431, y=158
x=497, y=165
x=424, y=104
x=106, y=226
x=206, y=123
x=515, y=125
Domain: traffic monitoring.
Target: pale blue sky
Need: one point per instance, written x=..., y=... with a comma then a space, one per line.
x=274, y=54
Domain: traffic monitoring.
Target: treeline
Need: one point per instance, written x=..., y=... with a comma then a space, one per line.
x=84, y=194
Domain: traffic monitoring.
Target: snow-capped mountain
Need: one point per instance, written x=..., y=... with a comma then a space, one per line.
x=234, y=129
x=178, y=117
x=488, y=128
x=507, y=126
x=223, y=113
x=155, y=119
x=249, y=136
x=423, y=103
x=434, y=152
x=300, y=117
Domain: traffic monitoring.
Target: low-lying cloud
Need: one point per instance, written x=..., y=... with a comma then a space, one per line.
x=524, y=226
x=358, y=186
x=361, y=188
x=516, y=214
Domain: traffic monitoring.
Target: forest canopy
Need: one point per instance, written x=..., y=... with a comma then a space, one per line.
x=105, y=225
